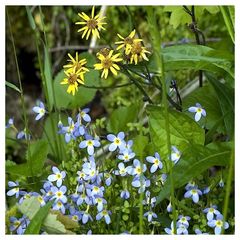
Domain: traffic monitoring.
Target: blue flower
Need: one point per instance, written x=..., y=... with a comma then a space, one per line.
x=58, y=194
x=198, y=110
x=170, y=231
x=169, y=207
x=206, y=190
x=75, y=215
x=57, y=176
x=137, y=168
x=10, y=123
x=14, y=189
x=211, y=212
x=89, y=168
x=108, y=178
x=86, y=217
x=218, y=224
x=182, y=229
x=126, y=155
x=23, y=135
x=40, y=110
x=84, y=115
x=125, y=194
x=150, y=215
x=149, y=200
x=122, y=170
x=193, y=193
x=59, y=206
x=175, y=155
x=141, y=183
x=27, y=195
x=89, y=143
x=198, y=232
x=19, y=225
x=117, y=141
x=104, y=214
x=41, y=200
x=156, y=162
x=221, y=183
x=100, y=203
x=183, y=220
x=69, y=130
x=95, y=190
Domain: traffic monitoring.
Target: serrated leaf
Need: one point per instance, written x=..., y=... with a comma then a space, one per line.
x=53, y=226
x=194, y=160
x=29, y=207
x=183, y=130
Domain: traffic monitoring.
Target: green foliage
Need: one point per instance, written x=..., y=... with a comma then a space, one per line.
x=140, y=143
x=183, y=130
x=14, y=87
x=207, y=97
x=37, y=220
x=36, y=156
x=51, y=222
x=83, y=95
x=121, y=116
x=225, y=96
x=194, y=160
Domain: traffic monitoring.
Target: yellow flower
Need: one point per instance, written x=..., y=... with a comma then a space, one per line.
x=73, y=79
x=93, y=24
x=137, y=53
x=76, y=63
x=108, y=62
x=127, y=42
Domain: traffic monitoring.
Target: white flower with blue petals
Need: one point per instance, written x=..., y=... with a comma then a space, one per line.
x=40, y=110
x=198, y=110
x=156, y=162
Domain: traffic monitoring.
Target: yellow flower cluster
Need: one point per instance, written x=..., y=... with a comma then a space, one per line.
x=75, y=71
x=133, y=52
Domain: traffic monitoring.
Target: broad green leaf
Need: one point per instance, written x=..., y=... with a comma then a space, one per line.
x=139, y=144
x=35, y=160
x=14, y=87
x=121, y=116
x=30, y=208
x=183, y=130
x=194, y=160
x=48, y=76
x=65, y=220
x=36, y=222
x=83, y=95
x=225, y=96
x=198, y=58
x=207, y=97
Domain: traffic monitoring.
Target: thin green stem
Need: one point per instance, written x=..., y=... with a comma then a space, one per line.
x=228, y=187
x=21, y=92
x=156, y=40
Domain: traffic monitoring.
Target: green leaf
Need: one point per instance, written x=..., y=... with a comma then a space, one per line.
x=207, y=97
x=225, y=96
x=139, y=144
x=48, y=76
x=83, y=95
x=30, y=18
x=30, y=208
x=120, y=117
x=178, y=15
x=65, y=220
x=36, y=222
x=196, y=57
x=14, y=87
x=183, y=130
x=194, y=160
x=36, y=158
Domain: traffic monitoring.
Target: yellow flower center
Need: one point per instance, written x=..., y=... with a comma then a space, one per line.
x=126, y=157
x=92, y=23
x=58, y=175
x=104, y=213
x=59, y=204
x=199, y=110
x=75, y=218
x=219, y=223
x=107, y=63
x=156, y=161
x=211, y=210
x=89, y=143
x=104, y=52
x=96, y=189
x=122, y=171
x=59, y=194
x=117, y=141
x=138, y=170
x=17, y=223
x=72, y=78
